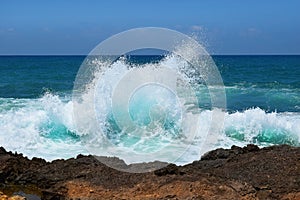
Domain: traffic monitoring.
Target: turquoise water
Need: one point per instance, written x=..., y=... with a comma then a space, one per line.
x=263, y=104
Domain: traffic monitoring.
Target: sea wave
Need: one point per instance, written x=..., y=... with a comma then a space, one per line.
x=44, y=127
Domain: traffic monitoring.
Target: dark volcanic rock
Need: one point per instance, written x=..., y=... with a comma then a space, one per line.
x=170, y=169
x=236, y=173
x=224, y=154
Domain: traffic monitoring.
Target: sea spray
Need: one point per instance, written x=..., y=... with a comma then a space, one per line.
x=25, y=124
x=260, y=110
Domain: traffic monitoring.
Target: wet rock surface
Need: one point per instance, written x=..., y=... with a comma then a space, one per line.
x=236, y=173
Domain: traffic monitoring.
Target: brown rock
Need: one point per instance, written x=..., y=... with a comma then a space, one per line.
x=236, y=173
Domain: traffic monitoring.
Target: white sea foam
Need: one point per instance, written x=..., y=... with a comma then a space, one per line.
x=25, y=123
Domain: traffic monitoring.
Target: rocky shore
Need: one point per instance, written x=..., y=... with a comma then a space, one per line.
x=236, y=173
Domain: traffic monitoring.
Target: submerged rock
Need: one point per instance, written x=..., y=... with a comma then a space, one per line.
x=236, y=173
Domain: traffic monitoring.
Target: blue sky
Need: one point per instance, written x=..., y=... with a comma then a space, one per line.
x=77, y=26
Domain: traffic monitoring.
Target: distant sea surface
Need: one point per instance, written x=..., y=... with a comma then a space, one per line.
x=263, y=102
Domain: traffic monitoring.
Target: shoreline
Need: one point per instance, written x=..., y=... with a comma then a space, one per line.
x=237, y=173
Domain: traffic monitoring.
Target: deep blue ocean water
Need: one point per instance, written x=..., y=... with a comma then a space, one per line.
x=268, y=82
x=262, y=92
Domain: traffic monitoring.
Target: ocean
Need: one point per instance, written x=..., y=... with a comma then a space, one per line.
x=36, y=106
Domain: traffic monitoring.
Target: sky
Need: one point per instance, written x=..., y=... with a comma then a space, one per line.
x=75, y=27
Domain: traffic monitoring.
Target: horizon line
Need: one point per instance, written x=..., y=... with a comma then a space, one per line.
x=217, y=54
x=2, y=55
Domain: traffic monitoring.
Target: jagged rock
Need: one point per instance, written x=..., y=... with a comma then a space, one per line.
x=236, y=173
